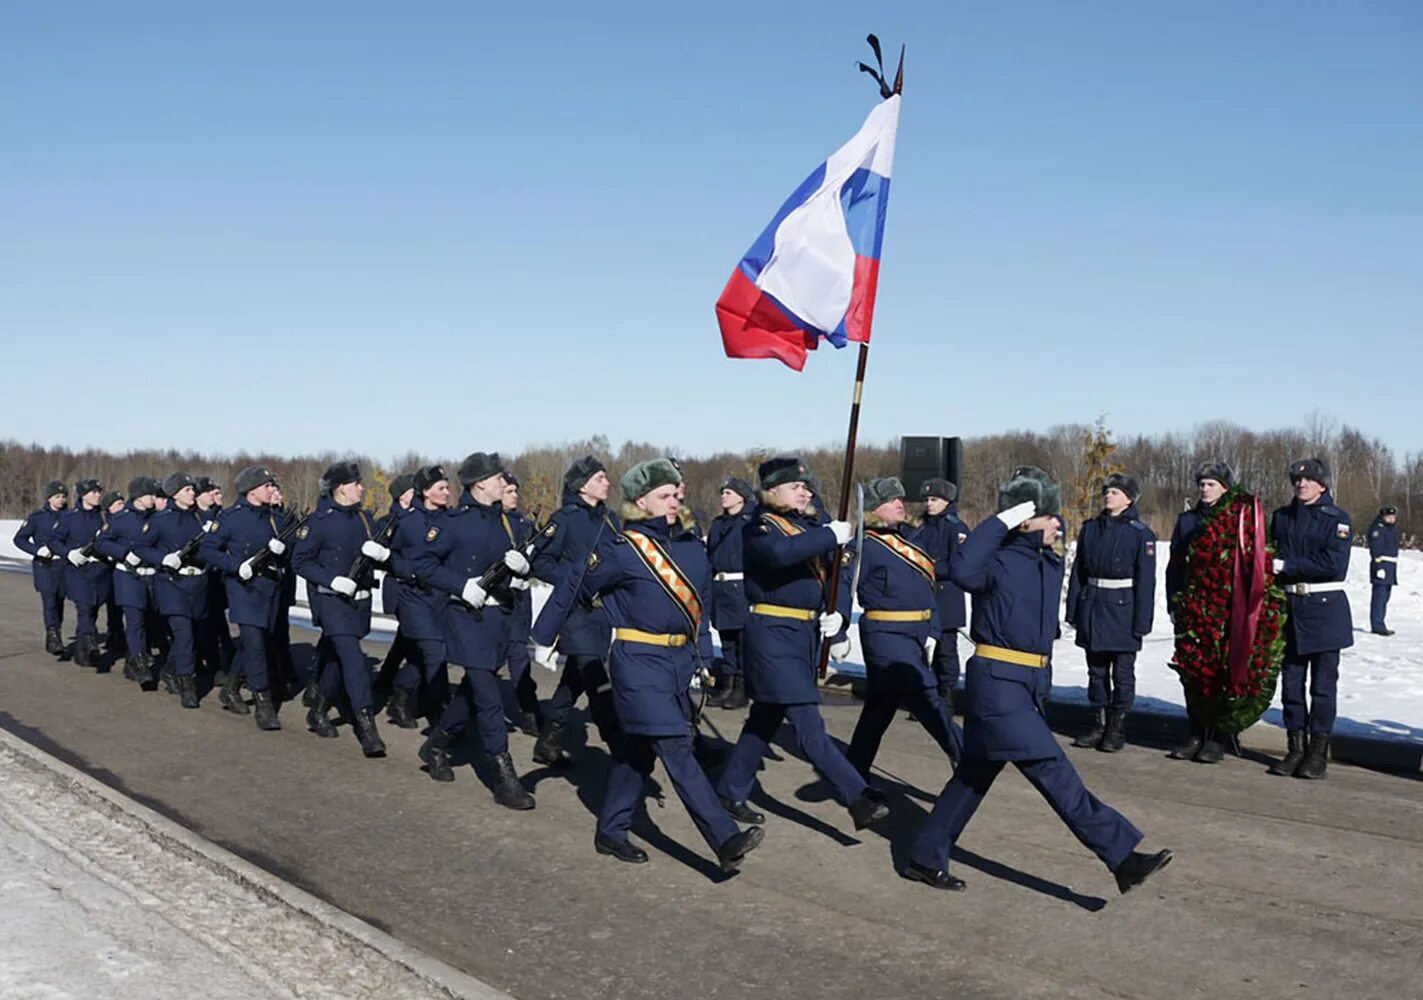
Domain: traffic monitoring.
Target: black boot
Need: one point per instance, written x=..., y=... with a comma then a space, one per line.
x=1116, y=735
x=131, y=668
x=188, y=691
x=1212, y=751
x=265, y=711
x=718, y=694
x=312, y=694
x=936, y=878
x=1293, y=755
x=398, y=710
x=865, y=811
x=509, y=791
x=1138, y=867
x=167, y=677
x=1316, y=758
x=85, y=651
x=318, y=722
x=529, y=724
x=53, y=642
x=367, y=735
x=230, y=695
x=549, y=751
x=729, y=854
x=1192, y=746
x=1094, y=732
x=742, y=813
x=736, y=694
x=623, y=850
x=435, y=753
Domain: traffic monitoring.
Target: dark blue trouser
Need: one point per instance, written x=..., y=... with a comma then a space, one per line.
x=402, y=651
x=1100, y=828
x=86, y=619
x=1378, y=606
x=52, y=604
x=587, y=674
x=252, y=656
x=182, y=653
x=348, y=662
x=626, y=786
x=1111, y=680
x=730, y=659
x=478, y=696
x=812, y=741
x=215, y=642
x=135, y=629
x=1318, y=714
x=888, y=687
x=946, y=659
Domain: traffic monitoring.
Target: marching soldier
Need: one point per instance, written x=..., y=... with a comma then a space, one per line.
x=420, y=608
x=33, y=537
x=789, y=559
x=236, y=549
x=1312, y=558
x=942, y=532
x=133, y=581
x=87, y=582
x=215, y=649
x=729, y=604
x=1111, y=597
x=1007, y=563
x=1383, y=567
x=899, y=628
x=399, y=674
x=521, y=621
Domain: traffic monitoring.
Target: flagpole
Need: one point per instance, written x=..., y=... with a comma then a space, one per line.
x=847, y=474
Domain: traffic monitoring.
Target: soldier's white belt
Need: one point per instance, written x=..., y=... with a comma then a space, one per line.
x=1313, y=588
x=191, y=571
x=727, y=577
x=1111, y=582
x=140, y=571
x=1386, y=559
x=360, y=595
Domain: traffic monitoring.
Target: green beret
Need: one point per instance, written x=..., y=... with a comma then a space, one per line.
x=644, y=477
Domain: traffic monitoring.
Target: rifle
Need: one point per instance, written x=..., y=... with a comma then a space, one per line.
x=261, y=559
x=363, y=567
x=495, y=580
x=190, y=548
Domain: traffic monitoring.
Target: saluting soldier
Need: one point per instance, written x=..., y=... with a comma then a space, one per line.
x=1383, y=567
x=789, y=558
x=46, y=569
x=1111, y=598
x=899, y=628
x=1008, y=565
x=729, y=604
x=87, y=582
x=942, y=532
x=1312, y=538
x=133, y=582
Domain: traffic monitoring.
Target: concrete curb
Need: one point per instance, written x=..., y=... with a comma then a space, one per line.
x=173, y=836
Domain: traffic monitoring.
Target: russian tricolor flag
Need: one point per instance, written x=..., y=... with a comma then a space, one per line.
x=812, y=272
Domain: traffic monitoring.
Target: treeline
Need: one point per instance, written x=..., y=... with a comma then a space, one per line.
x=1367, y=474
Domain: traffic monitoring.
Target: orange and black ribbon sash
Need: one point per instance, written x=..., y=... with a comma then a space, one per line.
x=789, y=528
x=908, y=551
x=670, y=575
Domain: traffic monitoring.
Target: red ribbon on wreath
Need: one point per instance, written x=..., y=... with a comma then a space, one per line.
x=1247, y=598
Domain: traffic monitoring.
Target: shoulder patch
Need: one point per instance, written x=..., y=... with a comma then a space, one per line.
x=432, y=534
x=303, y=531
x=1151, y=548
x=1342, y=529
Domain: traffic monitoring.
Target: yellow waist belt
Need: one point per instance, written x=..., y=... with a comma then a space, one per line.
x=648, y=638
x=898, y=616
x=1012, y=656
x=779, y=611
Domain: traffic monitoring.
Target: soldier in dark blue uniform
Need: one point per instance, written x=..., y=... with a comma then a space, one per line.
x=729, y=604
x=87, y=582
x=899, y=627
x=216, y=651
x=399, y=674
x=1383, y=567
x=180, y=587
x=253, y=586
x=1213, y=479
x=467, y=543
x=579, y=525
x=521, y=621
x=33, y=537
x=420, y=607
x=113, y=634
x=329, y=547
x=651, y=577
x=939, y=536
x=789, y=558
x=1008, y=565
x=1111, y=597
x=133, y=581
x=1312, y=538
x=284, y=675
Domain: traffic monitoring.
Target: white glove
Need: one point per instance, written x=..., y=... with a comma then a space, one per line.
x=546, y=657
x=244, y=571
x=1382, y=575
x=210, y=526
x=344, y=585
x=473, y=594
x=930, y=644
x=132, y=559
x=1018, y=513
x=1279, y=565
x=840, y=650
x=844, y=531
x=831, y=624
x=43, y=552
x=519, y=583
x=515, y=560
x=77, y=558
x=372, y=549
x=173, y=561
x=277, y=546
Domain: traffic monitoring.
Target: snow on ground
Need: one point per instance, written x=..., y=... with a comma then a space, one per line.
x=1380, y=679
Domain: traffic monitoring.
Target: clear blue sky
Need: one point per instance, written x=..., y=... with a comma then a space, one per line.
x=462, y=226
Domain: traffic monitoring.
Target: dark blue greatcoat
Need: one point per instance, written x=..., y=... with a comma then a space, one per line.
x=420, y=607
x=183, y=592
x=724, y=549
x=91, y=584
x=326, y=546
x=888, y=582
x=1188, y=525
x=939, y=536
x=578, y=528
x=242, y=532
x=1111, y=620
x=386, y=528
x=36, y=531
x=1383, y=553
x=1313, y=540
x=125, y=531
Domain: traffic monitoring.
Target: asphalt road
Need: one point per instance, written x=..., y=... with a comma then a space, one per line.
x=1280, y=887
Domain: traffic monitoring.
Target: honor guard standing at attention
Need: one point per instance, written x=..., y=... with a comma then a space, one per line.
x=1383, y=566
x=133, y=581
x=942, y=532
x=1213, y=479
x=1312, y=558
x=467, y=543
x=329, y=547
x=729, y=604
x=420, y=607
x=899, y=628
x=180, y=588
x=521, y=620
x=652, y=577
x=33, y=537
x=399, y=675
x=236, y=549
x=87, y=578
x=789, y=559
x=1008, y=565
x=1111, y=597
x=582, y=521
